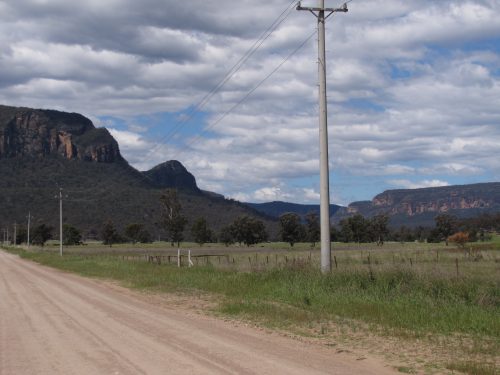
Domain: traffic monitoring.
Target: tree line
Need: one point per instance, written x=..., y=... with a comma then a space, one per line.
x=376, y=229
x=247, y=230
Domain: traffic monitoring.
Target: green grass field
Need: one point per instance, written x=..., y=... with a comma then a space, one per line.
x=402, y=290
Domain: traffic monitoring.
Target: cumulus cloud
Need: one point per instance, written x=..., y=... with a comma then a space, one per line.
x=413, y=88
x=407, y=184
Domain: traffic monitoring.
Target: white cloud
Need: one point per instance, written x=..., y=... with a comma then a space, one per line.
x=413, y=88
x=128, y=140
x=310, y=195
x=407, y=184
x=266, y=194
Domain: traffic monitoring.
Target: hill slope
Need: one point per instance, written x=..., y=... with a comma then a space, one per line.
x=276, y=209
x=42, y=150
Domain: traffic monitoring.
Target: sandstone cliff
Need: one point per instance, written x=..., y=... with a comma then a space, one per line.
x=439, y=200
x=423, y=204
x=39, y=133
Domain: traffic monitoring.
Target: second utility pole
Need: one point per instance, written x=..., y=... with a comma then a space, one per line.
x=319, y=12
x=60, y=223
x=29, y=223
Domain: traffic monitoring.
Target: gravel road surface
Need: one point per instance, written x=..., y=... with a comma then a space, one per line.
x=52, y=322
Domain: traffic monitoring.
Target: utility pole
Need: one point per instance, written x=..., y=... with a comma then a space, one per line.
x=322, y=14
x=15, y=233
x=29, y=221
x=60, y=223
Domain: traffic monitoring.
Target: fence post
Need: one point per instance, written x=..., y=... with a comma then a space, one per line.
x=190, y=263
x=456, y=263
x=179, y=258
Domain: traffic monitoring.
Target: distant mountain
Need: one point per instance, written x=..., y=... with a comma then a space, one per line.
x=172, y=174
x=414, y=207
x=276, y=209
x=42, y=150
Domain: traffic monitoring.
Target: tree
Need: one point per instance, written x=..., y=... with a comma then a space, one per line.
x=136, y=233
x=434, y=236
x=200, y=231
x=404, y=234
x=21, y=235
x=313, y=231
x=71, y=235
x=109, y=233
x=172, y=219
x=446, y=225
x=144, y=236
x=255, y=233
x=419, y=233
x=239, y=228
x=378, y=226
x=355, y=228
x=291, y=230
x=345, y=233
x=41, y=234
x=249, y=230
x=460, y=239
x=226, y=235
x=360, y=228
x=335, y=235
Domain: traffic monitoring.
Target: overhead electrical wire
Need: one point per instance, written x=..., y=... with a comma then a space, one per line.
x=230, y=73
x=248, y=94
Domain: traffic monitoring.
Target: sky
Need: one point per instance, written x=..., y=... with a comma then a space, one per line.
x=413, y=88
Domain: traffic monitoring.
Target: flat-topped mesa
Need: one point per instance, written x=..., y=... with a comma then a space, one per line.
x=438, y=200
x=38, y=133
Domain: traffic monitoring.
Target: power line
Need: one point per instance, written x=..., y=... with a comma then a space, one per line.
x=234, y=69
x=249, y=93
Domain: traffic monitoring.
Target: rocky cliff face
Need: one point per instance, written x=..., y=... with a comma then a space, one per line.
x=438, y=200
x=38, y=133
x=429, y=202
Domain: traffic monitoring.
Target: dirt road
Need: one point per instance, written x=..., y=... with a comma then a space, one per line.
x=57, y=323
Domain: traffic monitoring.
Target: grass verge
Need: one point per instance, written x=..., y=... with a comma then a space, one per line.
x=473, y=368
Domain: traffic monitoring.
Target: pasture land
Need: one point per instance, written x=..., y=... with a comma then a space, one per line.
x=426, y=307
